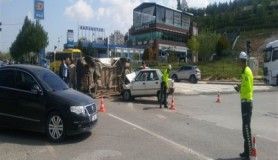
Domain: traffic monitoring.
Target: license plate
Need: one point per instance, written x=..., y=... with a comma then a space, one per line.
x=94, y=117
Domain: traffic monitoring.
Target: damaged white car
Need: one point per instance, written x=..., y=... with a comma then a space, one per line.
x=144, y=83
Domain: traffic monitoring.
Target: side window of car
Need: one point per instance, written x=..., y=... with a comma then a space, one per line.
x=7, y=78
x=142, y=76
x=24, y=81
x=152, y=76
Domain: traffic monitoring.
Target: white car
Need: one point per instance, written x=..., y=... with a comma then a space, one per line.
x=144, y=83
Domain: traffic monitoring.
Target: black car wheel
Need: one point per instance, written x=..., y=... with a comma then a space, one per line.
x=55, y=127
x=126, y=95
x=175, y=78
x=193, y=79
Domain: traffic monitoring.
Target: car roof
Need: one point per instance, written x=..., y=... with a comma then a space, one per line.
x=31, y=68
x=149, y=69
x=189, y=65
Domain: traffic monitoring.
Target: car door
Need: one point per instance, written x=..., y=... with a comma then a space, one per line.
x=182, y=72
x=8, y=109
x=187, y=72
x=152, y=83
x=139, y=85
x=30, y=102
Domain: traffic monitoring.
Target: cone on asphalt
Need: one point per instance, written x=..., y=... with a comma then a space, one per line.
x=172, y=107
x=253, y=155
x=102, y=106
x=218, y=97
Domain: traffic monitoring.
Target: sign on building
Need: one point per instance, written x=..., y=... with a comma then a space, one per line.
x=70, y=38
x=39, y=9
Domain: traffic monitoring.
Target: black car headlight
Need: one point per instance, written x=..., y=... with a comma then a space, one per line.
x=79, y=110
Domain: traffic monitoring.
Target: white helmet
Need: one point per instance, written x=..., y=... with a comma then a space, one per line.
x=243, y=55
x=170, y=66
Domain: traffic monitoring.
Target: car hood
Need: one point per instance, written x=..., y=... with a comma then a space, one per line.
x=131, y=76
x=72, y=97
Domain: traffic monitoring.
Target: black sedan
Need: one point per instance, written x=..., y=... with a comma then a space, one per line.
x=34, y=98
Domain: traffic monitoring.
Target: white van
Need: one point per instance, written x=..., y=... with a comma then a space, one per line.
x=271, y=63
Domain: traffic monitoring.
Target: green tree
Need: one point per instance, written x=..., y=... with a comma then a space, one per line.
x=221, y=46
x=193, y=45
x=207, y=43
x=31, y=38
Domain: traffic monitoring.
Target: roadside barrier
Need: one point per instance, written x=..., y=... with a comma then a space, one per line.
x=253, y=155
x=102, y=106
x=173, y=107
x=218, y=97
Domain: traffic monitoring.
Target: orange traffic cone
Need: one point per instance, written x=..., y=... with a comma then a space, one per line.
x=102, y=107
x=173, y=107
x=253, y=155
x=218, y=97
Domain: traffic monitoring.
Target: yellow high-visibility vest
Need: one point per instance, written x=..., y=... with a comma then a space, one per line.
x=246, y=86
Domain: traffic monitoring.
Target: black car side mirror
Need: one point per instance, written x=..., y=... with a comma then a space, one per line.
x=36, y=90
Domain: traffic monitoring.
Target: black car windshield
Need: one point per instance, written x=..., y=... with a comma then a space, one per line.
x=53, y=81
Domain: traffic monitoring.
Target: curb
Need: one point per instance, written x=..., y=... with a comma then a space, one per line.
x=231, y=83
x=216, y=92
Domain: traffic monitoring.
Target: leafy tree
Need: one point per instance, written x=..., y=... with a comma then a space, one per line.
x=31, y=38
x=207, y=43
x=193, y=45
x=221, y=46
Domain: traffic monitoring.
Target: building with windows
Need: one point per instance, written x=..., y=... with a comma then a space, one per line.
x=162, y=28
x=117, y=38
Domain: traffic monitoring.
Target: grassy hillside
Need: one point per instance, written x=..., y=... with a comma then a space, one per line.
x=258, y=39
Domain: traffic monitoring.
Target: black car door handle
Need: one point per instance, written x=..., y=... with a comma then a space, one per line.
x=144, y=83
x=156, y=82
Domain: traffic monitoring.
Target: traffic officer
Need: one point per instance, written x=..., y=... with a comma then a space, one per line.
x=164, y=86
x=246, y=95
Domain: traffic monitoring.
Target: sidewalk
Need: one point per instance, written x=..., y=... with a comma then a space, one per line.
x=206, y=88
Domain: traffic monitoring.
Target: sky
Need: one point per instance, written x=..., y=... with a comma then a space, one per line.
x=61, y=15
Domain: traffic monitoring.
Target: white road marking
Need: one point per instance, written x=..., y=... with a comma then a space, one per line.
x=177, y=145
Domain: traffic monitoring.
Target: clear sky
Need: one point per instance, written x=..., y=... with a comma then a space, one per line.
x=61, y=15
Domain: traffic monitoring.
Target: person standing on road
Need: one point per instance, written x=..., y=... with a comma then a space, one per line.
x=64, y=71
x=164, y=86
x=246, y=95
x=72, y=74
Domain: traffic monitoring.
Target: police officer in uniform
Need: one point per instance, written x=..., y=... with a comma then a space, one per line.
x=165, y=86
x=246, y=95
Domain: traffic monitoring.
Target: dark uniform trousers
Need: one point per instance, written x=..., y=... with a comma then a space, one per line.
x=164, y=95
x=246, y=112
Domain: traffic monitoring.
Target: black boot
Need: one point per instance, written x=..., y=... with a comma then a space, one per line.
x=244, y=155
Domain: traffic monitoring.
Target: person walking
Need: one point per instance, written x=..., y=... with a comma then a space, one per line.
x=64, y=71
x=72, y=74
x=246, y=96
x=164, y=87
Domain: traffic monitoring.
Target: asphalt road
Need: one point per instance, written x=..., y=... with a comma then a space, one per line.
x=198, y=129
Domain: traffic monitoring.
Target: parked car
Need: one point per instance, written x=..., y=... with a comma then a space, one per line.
x=144, y=83
x=34, y=98
x=188, y=72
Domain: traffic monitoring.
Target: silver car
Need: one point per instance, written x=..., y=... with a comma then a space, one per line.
x=188, y=72
x=144, y=83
